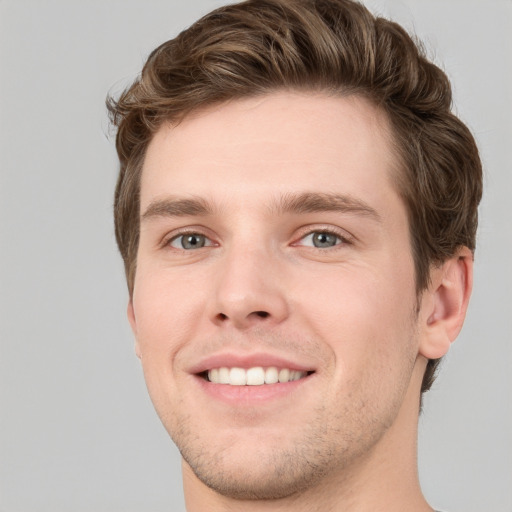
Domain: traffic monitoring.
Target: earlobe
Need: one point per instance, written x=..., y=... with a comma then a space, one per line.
x=133, y=323
x=445, y=304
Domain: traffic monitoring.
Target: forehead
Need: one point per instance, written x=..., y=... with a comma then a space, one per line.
x=280, y=142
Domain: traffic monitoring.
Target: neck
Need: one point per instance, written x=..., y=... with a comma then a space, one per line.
x=384, y=479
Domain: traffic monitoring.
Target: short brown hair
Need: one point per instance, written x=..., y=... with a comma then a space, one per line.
x=335, y=46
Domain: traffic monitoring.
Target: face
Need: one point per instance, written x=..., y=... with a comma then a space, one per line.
x=274, y=298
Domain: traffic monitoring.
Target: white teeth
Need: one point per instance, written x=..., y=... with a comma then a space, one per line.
x=237, y=377
x=214, y=375
x=255, y=376
x=223, y=375
x=271, y=375
x=284, y=375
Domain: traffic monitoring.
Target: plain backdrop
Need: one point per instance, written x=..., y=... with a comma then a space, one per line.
x=77, y=430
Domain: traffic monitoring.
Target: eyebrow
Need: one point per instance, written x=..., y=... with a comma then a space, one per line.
x=312, y=202
x=305, y=202
x=177, y=207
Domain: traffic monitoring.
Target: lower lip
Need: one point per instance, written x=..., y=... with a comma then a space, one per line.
x=249, y=395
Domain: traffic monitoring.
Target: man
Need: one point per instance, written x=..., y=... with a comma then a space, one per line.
x=296, y=210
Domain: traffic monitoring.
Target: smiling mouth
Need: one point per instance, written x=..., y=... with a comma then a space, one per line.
x=255, y=376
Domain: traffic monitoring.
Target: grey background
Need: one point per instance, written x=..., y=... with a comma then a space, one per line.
x=77, y=431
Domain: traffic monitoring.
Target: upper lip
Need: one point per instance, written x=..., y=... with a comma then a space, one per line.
x=232, y=360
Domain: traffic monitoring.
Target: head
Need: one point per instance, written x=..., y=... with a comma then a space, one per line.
x=332, y=48
x=337, y=47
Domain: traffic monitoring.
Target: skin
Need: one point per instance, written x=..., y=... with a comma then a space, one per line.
x=344, y=438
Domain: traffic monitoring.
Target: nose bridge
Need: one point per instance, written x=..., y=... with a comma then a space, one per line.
x=249, y=287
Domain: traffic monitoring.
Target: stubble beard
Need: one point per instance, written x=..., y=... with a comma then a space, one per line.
x=320, y=452
x=338, y=438
x=279, y=471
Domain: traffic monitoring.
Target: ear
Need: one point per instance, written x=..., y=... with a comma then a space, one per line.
x=444, y=304
x=133, y=323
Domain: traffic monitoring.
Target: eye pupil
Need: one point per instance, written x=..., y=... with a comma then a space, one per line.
x=193, y=241
x=324, y=240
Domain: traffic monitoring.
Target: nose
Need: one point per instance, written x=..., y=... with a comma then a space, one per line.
x=249, y=291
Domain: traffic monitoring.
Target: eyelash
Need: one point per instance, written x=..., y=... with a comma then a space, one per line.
x=342, y=239
x=168, y=241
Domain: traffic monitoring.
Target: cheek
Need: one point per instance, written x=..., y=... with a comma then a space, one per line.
x=365, y=318
x=165, y=307
x=357, y=298
x=161, y=310
x=369, y=329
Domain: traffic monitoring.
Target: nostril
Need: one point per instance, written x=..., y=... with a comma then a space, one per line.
x=222, y=317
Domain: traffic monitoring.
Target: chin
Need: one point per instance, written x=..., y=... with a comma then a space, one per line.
x=281, y=475
x=267, y=465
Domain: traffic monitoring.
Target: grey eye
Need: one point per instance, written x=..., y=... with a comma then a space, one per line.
x=189, y=241
x=324, y=240
x=321, y=240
